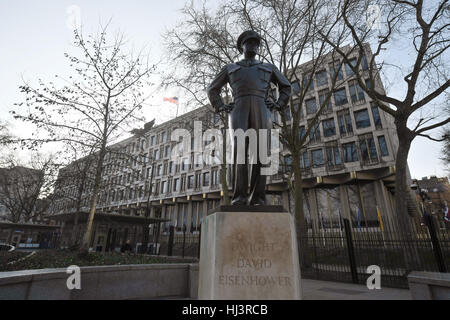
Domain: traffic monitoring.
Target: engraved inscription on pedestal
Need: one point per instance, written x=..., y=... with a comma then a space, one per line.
x=251, y=255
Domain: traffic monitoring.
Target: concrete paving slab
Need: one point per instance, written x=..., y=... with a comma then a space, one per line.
x=328, y=290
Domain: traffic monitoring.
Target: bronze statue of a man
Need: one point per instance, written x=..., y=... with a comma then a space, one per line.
x=250, y=82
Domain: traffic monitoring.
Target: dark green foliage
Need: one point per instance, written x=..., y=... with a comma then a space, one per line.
x=64, y=258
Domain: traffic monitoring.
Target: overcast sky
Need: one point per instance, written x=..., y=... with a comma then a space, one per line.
x=35, y=34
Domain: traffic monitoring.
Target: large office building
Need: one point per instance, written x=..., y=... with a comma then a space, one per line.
x=348, y=168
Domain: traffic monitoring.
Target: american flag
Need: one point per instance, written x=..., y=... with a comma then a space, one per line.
x=171, y=100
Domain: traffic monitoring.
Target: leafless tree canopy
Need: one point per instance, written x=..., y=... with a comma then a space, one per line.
x=95, y=105
x=25, y=189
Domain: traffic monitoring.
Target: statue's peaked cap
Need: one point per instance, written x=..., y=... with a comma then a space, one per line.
x=245, y=36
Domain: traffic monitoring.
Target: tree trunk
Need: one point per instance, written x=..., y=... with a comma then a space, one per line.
x=402, y=196
x=98, y=178
x=299, y=216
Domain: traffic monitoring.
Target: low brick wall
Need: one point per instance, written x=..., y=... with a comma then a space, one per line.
x=150, y=281
x=429, y=285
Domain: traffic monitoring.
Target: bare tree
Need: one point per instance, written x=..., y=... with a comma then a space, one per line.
x=94, y=106
x=445, y=151
x=424, y=79
x=200, y=46
x=25, y=188
x=5, y=136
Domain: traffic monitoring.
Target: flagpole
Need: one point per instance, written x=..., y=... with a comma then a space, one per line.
x=178, y=105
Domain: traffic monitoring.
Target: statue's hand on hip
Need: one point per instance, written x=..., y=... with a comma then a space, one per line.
x=227, y=107
x=273, y=106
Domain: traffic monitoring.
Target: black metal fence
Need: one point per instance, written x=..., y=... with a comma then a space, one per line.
x=345, y=253
x=185, y=244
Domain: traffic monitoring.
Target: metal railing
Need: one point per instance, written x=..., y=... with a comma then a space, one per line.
x=344, y=253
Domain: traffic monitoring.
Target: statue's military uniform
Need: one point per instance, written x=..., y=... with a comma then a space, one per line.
x=250, y=82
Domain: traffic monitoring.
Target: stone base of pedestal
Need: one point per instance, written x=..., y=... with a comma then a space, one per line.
x=249, y=256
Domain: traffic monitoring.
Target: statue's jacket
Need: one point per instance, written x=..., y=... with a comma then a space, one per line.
x=250, y=83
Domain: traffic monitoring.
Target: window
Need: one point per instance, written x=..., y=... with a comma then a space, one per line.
x=369, y=84
x=184, y=164
x=307, y=79
x=163, y=137
x=304, y=160
x=328, y=127
x=152, y=139
x=350, y=152
x=197, y=180
x=333, y=155
x=336, y=67
x=345, y=123
x=356, y=93
x=191, y=163
x=206, y=179
x=348, y=70
x=171, y=167
x=301, y=132
x=156, y=157
x=368, y=149
x=131, y=194
x=287, y=163
x=311, y=106
x=157, y=187
x=364, y=64
x=214, y=177
x=383, y=146
x=287, y=114
x=167, y=151
x=159, y=170
x=321, y=78
x=175, y=184
x=199, y=160
x=317, y=158
x=163, y=187
x=362, y=119
x=190, y=182
x=322, y=97
x=183, y=183
x=376, y=116
x=340, y=97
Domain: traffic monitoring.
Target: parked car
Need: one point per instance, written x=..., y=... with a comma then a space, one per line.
x=7, y=247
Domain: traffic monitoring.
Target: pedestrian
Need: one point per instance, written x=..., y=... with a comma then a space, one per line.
x=126, y=247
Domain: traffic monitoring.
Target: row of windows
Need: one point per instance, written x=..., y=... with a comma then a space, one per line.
x=321, y=77
x=344, y=121
x=333, y=155
x=340, y=99
x=159, y=138
x=204, y=179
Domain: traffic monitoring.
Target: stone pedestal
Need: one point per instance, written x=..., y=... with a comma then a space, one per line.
x=249, y=255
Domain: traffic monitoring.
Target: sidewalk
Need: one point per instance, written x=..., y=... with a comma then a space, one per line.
x=328, y=290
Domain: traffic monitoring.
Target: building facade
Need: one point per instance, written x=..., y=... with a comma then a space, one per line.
x=348, y=168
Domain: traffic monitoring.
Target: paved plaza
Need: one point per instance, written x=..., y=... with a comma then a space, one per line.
x=328, y=290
